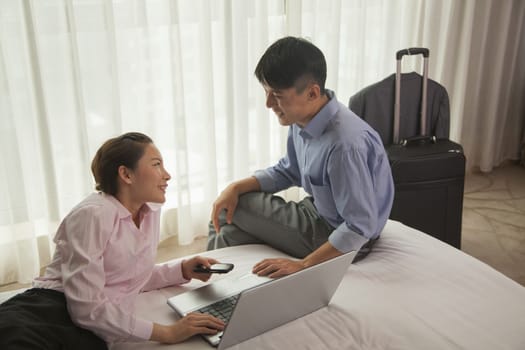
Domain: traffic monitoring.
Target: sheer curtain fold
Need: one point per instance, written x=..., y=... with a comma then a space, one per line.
x=74, y=73
x=490, y=127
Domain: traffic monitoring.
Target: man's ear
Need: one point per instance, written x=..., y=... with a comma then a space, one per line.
x=314, y=92
x=124, y=174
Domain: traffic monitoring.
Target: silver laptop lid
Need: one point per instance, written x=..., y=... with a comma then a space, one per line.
x=270, y=305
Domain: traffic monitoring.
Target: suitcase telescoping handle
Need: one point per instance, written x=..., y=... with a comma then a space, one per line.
x=412, y=51
x=397, y=106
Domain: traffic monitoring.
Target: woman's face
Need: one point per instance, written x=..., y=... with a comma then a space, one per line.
x=150, y=179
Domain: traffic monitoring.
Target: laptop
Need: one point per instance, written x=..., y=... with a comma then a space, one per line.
x=274, y=301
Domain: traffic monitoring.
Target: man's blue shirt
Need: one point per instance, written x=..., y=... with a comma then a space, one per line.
x=340, y=161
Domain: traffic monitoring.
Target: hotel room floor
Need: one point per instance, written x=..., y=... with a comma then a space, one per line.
x=493, y=228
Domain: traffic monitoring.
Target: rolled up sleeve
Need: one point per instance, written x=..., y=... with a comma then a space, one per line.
x=165, y=275
x=362, y=188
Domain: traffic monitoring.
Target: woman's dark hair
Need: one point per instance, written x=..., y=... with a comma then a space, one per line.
x=292, y=62
x=125, y=150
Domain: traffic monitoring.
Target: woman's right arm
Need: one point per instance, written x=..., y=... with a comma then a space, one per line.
x=186, y=327
x=82, y=241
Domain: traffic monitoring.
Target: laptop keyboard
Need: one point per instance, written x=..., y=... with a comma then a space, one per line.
x=221, y=309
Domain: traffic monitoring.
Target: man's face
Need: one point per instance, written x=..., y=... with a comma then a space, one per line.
x=289, y=105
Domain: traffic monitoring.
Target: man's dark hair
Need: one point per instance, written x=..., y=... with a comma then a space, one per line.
x=292, y=62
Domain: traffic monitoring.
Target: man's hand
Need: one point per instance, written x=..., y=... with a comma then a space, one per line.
x=186, y=327
x=227, y=200
x=277, y=267
x=190, y=264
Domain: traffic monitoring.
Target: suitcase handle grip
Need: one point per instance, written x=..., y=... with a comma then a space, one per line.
x=419, y=140
x=412, y=51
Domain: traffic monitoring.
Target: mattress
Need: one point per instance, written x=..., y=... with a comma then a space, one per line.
x=412, y=292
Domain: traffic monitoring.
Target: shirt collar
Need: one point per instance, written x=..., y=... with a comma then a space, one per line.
x=123, y=212
x=320, y=121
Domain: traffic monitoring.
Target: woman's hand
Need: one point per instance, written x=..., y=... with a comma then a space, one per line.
x=190, y=264
x=186, y=327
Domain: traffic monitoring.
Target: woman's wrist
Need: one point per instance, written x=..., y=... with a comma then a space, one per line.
x=159, y=333
x=183, y=272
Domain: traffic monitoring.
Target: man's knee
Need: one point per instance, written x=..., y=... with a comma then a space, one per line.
x=230, y=235
x=254, y=201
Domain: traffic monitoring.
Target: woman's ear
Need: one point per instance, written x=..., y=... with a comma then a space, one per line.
x=124, y=174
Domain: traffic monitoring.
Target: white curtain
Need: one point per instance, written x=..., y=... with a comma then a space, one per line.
x=76, y=72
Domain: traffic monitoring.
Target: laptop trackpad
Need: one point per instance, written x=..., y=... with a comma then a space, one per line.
x=195, y=299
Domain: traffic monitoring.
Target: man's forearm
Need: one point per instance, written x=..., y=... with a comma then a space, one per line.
x=249, y=184
x=325, y=252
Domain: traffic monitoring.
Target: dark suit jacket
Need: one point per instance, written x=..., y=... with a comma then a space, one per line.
x=375, y=104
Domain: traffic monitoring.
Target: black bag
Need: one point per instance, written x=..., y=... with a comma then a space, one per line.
x=429, y=180
x=429, y=173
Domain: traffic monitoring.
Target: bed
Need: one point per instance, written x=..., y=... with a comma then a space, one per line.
x=412, y=292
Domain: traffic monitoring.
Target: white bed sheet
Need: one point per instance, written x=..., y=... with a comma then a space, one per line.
x=411, y=292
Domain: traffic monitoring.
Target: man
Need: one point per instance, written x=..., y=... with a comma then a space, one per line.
x=335, y=156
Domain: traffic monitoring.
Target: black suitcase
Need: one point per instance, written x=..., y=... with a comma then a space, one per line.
x=429, y=173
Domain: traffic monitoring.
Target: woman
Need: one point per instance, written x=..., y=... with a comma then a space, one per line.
x=105, y=252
